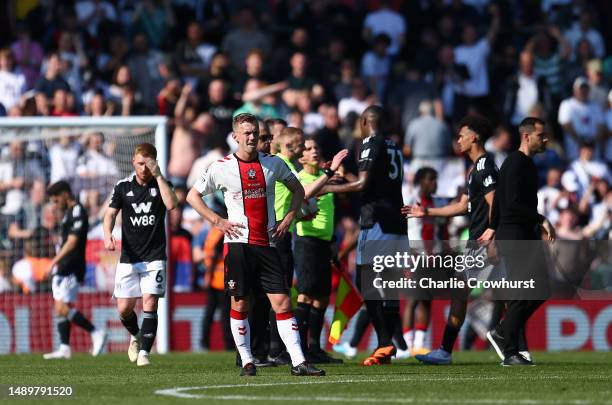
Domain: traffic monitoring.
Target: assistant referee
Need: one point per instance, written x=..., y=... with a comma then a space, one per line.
x=516, y=220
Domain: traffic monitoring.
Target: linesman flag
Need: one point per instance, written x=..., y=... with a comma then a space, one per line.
x=348, y=302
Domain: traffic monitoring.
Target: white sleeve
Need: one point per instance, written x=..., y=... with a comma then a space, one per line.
x=565, y=114
x=207, y=183
x=483, y=47
x=367, y=66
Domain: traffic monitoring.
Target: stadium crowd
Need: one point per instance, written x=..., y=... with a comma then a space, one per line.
x=316, y=65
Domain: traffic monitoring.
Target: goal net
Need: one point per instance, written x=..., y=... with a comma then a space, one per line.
x=91, y=154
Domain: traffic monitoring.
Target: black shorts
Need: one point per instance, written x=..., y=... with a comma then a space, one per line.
x=253, y=268
x=313, y=266
x=285, y=253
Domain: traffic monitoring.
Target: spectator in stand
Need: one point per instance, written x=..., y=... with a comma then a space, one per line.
x=48, y=83
x=328, y=137
x=185, y=146
x=427, y=137
x=254, y=69
x=168, y=97
x=581, y=118
x=524, y=90
x=255, y=92
x=608, y=118
x=32, y=268
x=586, y=169
x=28, y=55
x=155, y=18
x=61, y=104
x=218, y=149
x=74, y=59
x=313, y=120
x=357, y=102
x=550, y=194
x=583, y=28
x=99, y=106
x=194, y=54
x=12, y=81
x=583, y=53
x=598, y=202
x=29, y=216
x=474, y=53
x=598, y=90
x=406, y=96
x=63, y=157
x=386, y=20
x=344, y=87
x=144, y=66
x=246, y=36
x=122, y=92
x=92, y=13
x=300, y=82
x=116, y=56
x=548, y=61
x=93, y=163
x=376, y=65
x=219, y=105
x=6, y=278
x=499, y=145
x=17, y=172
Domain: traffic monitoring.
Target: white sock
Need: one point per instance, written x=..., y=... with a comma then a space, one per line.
x=288, y=331
x=419, y=339
x=241, y=331
x=64, y=347
x=409, y=338
x=143, y=352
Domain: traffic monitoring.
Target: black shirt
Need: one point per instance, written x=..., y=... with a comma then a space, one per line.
x=143, y=216
x=516, y=198
x=75, y=222
x=482, y=179
x=381, y=199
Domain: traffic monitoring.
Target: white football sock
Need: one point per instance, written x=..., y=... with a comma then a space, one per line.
x=290, y=335
x=241, y=331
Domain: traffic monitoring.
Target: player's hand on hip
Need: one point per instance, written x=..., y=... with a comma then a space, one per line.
x=230, y=229
x=153, y=167
x=413, y=211
x=338, y=158
x=109, y=243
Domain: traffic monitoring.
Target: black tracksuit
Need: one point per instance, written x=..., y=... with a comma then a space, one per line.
x=516, y=219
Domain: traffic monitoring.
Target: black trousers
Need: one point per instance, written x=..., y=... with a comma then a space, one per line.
x=524, y=256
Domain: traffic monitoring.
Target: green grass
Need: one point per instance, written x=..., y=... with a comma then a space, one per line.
x=475, y=378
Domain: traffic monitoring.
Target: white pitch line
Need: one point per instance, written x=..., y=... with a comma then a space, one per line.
x=179, y=392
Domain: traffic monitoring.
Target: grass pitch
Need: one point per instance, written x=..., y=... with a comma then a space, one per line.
x=577, y=378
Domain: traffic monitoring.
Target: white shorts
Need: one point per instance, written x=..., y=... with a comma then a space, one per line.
x=132, y=280
x=65, y=288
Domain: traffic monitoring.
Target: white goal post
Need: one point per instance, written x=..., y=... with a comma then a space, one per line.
x=124, y=133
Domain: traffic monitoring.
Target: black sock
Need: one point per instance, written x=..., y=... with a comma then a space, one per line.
x=131, y=323
x=149, y=330
x=63, y=327
x=450, y=335
x=79, y=319
x=276, y=344
x=377, y=317
x=302, y=314
x=317, y=317
x=362, y=323
x=398, y=336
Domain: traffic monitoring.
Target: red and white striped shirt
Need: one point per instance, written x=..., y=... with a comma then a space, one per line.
x=248, y=190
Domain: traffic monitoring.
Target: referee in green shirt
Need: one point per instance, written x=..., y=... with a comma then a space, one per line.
x=313, y=247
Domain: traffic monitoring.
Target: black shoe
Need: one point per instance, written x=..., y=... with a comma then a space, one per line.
x=306, y=369
x=263, y=362
x=320, y=356
x=497, y=341
x=249, y=370
x=282, y=359
x=516, y=360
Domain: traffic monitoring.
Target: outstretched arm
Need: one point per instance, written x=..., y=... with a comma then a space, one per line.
x=451, y=210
